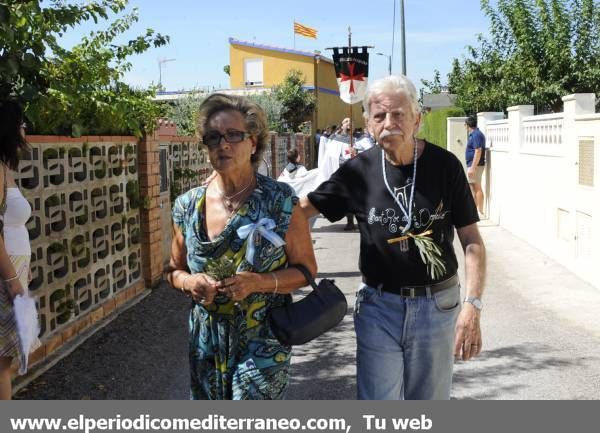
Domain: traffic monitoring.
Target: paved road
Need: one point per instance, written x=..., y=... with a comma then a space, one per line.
x=541, y=337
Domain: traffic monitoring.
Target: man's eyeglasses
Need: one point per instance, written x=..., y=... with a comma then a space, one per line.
x=213, y=138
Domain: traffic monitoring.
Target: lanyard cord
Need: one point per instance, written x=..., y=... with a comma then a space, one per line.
x=407, y=214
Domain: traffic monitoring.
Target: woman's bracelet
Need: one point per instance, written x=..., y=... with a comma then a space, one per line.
x=276, y=282
x=11, y=279
x=183, y=283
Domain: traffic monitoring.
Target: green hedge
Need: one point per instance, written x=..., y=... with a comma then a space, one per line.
x=434, y=125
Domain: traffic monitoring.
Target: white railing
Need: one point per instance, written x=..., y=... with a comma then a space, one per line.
x=498, y=134
x=542, y=133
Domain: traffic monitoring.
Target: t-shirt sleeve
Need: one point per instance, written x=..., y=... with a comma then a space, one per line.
x=180, y=210
x=464, y=211
x=478, y=141
x=332, y=198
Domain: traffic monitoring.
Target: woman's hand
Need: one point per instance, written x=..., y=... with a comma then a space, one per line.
x=201, y=287
x=241, y=285
x=15, y=288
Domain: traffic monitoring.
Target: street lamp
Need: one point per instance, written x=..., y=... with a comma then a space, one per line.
x=389, y=61
x=161, y=62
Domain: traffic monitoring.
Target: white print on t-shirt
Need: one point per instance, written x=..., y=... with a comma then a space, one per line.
x=394, y=220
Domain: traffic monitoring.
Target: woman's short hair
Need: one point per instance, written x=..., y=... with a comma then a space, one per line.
x=292, y=155
x=399, y=84
x=12, y=142
x=255, y=117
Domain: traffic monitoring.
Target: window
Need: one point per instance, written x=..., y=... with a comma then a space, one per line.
x=253, y=72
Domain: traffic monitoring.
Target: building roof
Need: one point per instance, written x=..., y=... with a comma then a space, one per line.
x=233, y=41
x=438, y=100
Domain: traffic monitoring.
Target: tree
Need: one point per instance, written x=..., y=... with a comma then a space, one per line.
x=537, y=52
x=184, y=112
x=272, y=107
x=78, y=90
x=434, y=86
x=227, y=69
x=297, y=105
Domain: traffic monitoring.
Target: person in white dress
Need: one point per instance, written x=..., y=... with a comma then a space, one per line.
x=15, y=249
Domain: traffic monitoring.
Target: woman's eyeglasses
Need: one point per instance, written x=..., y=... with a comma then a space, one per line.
x=213, y=138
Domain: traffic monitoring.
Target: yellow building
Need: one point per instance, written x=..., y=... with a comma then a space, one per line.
x=255, y=67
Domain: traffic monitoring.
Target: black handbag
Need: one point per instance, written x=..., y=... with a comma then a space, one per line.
x=299, y=322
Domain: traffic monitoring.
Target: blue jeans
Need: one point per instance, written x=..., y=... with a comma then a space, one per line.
x=405, y=345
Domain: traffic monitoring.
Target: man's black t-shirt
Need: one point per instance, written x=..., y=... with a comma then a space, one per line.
x=442, y=201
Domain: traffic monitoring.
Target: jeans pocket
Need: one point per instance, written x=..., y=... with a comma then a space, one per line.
x=447, y=300
x=364, y=294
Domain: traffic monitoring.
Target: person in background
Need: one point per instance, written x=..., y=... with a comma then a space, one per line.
x=15, y=250
x=318, y=136
x=475, y=159
x=293, y=169
x=365, y=141
x=346, y=153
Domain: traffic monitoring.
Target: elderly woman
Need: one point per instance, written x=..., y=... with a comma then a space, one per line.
x=233, y=239
x=408, y=196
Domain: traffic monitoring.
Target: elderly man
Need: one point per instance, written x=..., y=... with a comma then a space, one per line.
x=408, y=196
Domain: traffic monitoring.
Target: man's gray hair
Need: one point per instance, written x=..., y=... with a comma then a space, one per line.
x=391, y=84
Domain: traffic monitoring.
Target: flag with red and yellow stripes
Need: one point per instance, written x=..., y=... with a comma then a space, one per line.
x=305, y=31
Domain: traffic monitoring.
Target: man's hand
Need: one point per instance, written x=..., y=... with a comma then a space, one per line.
x=467, y=343
x=471, y=171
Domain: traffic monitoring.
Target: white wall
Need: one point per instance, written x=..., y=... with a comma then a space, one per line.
x=534, y=189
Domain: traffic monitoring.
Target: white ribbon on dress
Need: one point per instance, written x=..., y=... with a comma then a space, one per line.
x=264, y=227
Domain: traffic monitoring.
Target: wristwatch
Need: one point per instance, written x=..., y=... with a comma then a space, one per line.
x=476, y=302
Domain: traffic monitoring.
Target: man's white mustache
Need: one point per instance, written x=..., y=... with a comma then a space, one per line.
x=385, y=134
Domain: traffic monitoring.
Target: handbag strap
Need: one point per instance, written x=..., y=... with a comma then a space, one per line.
x=5, y=187
x=307, y=275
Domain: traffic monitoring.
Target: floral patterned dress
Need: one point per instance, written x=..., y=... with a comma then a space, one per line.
x=233, y=353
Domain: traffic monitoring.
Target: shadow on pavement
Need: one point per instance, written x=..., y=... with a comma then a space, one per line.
x=324, y=369
x=141, y=354
x=500, y=364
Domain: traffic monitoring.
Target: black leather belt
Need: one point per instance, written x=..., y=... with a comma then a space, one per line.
x=414, y=291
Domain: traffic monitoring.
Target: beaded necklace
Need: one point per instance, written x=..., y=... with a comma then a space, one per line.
x=407, y=213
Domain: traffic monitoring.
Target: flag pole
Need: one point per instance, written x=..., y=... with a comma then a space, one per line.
x=351, y=122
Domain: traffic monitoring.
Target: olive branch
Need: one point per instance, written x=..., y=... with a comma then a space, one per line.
x=220, y=268
x=431, y=255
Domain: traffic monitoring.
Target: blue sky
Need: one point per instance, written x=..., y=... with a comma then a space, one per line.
x=436, y=32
